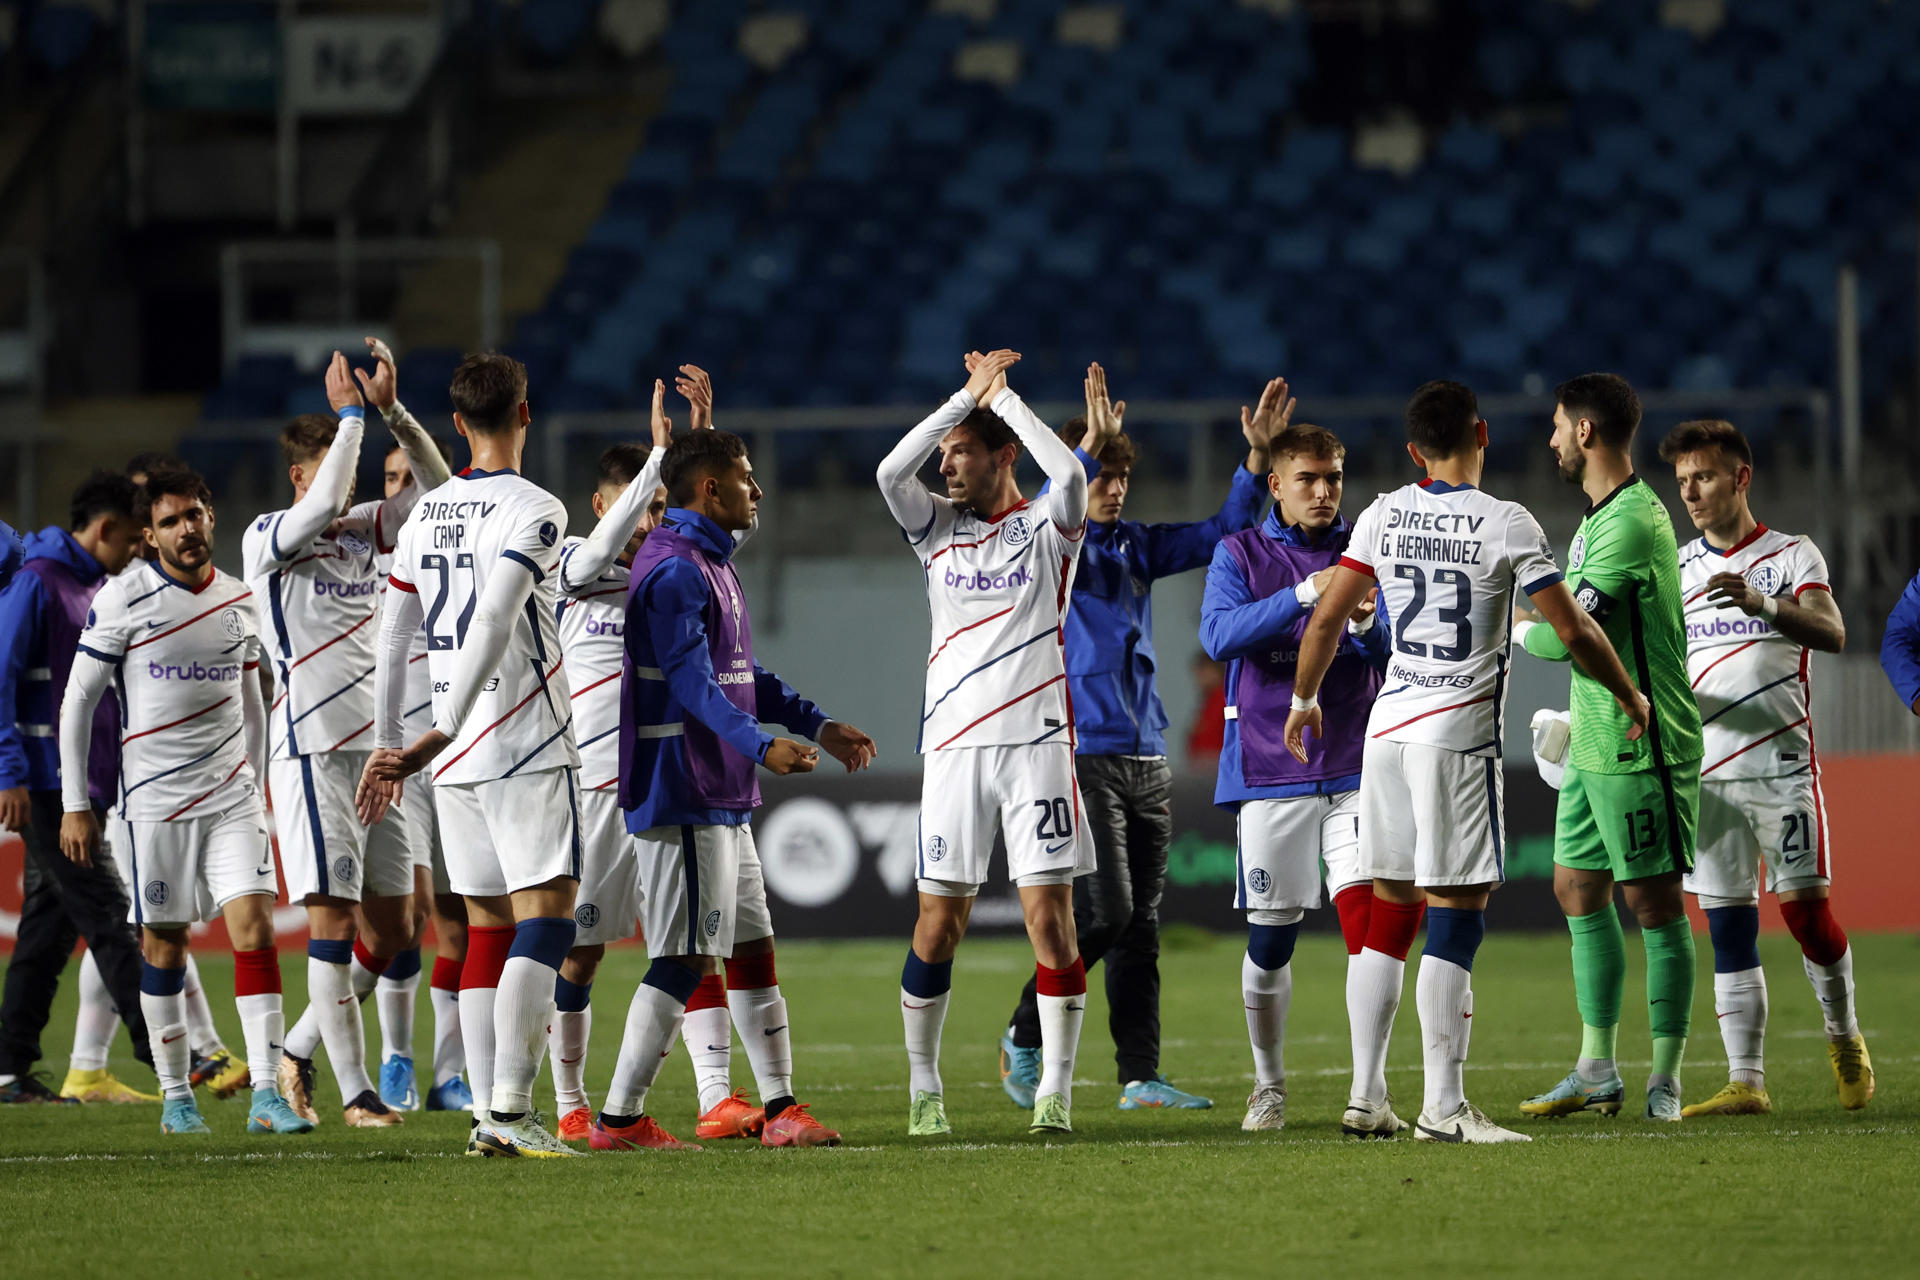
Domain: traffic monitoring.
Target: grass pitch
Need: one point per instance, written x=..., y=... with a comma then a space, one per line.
x=1810, y=1189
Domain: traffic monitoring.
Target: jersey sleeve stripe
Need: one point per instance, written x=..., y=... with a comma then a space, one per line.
x=539, y=575
x=161, y=635
x=1695, y=683
x=1358, y=566
x=962, y=631
x=173, y=723
x=111, y=659
x=1002, y=707
x=1471, y=702
x=915, y=539
x=314, y=653
x=1544, y=581
x=395, y=580
x=1751, y=745
x=1811, y=586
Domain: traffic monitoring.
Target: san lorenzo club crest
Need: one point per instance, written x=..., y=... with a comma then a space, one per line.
x=1019, y=531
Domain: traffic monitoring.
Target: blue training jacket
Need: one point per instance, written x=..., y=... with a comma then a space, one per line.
x=1110, y=658
x=1900, y=648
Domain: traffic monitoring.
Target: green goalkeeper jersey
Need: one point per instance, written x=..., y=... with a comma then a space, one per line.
x=1625, y=572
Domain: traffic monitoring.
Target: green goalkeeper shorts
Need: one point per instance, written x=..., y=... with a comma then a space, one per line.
x=1634, y=825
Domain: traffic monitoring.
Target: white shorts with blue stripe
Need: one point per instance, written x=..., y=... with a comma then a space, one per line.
x=185, y=870
x=704, y=893
x=324, y=849
x=510, y=833
x=1431, y=816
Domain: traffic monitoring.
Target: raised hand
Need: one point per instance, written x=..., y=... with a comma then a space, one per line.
x=1269, y=417
x=697, y=388
x=662, y=424
x=340, y=390
x=848, y=745
x=383, y=387
x=1103, y=414
x=987, y=374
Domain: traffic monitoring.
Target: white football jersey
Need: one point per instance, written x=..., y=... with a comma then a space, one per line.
x=997, y=590
x=1756, y=705
x=319, y=603
x=458, y=536
x=593, y=620
x=180, y=655
x=1450, y=562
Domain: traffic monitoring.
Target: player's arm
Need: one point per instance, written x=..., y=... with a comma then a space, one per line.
x=1577, y=632
x=581, y=565
x=400, y=618
x=1372, y=630
x=1345, y=590
x=775, y=702
x=101, y=650
x=1809, y=617
x=20, y=611
x=912, y=505
x=253, y=713
x=1900, y=647
x=1176, y=548
x=1068, y=476
x=289, y=533
x=673, y=600
x=428, y=470
x=1234, y=624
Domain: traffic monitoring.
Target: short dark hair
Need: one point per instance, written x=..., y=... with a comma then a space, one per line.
x=694, y=456
x=145, y=464
x=1441, y=417
x=990, y=429
x=102, y=493
x=620, y=465
x=176, y=481
x=1304, y=440
x=1119, y=452
x=488, y=390
x=1607, y=400
x=307, y=437
x=1703, y=434
x=444, y=445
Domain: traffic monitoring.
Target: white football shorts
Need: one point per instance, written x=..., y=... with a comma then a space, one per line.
x=1027, y=795
x=1747, y=822
x=702, y=890
x=1431, y=816
x=510, y=833
x=186, y=870
x=1281, y=846
x=324, y=849
x=423, y=828
x=608, y=900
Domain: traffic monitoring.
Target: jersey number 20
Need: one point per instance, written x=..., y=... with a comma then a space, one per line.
x=1456, y=614
x=442, y=593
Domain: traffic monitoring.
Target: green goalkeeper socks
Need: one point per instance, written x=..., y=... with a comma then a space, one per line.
x=1599, y=980
x=1669, y=992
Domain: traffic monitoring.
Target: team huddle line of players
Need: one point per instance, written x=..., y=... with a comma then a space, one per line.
x=537, y=741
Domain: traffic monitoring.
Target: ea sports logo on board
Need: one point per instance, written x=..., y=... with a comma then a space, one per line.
x=1259, y=881
x=1764, y=578
x=231, y=624
x=1019, y=531
x=586, y=915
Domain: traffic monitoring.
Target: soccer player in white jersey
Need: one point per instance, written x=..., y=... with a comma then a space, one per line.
x=1449, y=560
x=180, y=642
x=433, y=897
x=476, y=562
x=996, y=725
x=314, y=567
x=1758, y=602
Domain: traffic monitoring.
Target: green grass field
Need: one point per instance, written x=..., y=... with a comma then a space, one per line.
x=1810, y=1189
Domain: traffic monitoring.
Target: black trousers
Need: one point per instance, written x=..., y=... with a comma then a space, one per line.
x=64, y=903
x=1116, y=910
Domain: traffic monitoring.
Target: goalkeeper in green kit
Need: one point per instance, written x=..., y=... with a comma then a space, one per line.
x=1627, y=808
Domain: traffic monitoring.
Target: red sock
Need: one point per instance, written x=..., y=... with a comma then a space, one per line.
x=1355, y=907
x=1391, y=926
x=256, y=973
x=749, y=973
x=369, y=961
x=710, y=994
x=446, y=974
x=1070, y=981
x=487, y=949
x=1820, y=936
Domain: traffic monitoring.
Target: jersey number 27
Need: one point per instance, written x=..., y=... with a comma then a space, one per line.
x=443, y=594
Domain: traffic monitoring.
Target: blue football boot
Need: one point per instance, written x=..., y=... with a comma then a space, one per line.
x=1019, y=1072
x=397, y=1089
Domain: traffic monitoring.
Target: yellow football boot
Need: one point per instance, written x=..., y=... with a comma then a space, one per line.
x=100, y=1086
x=1852, y=1070
x=1736, y=1099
